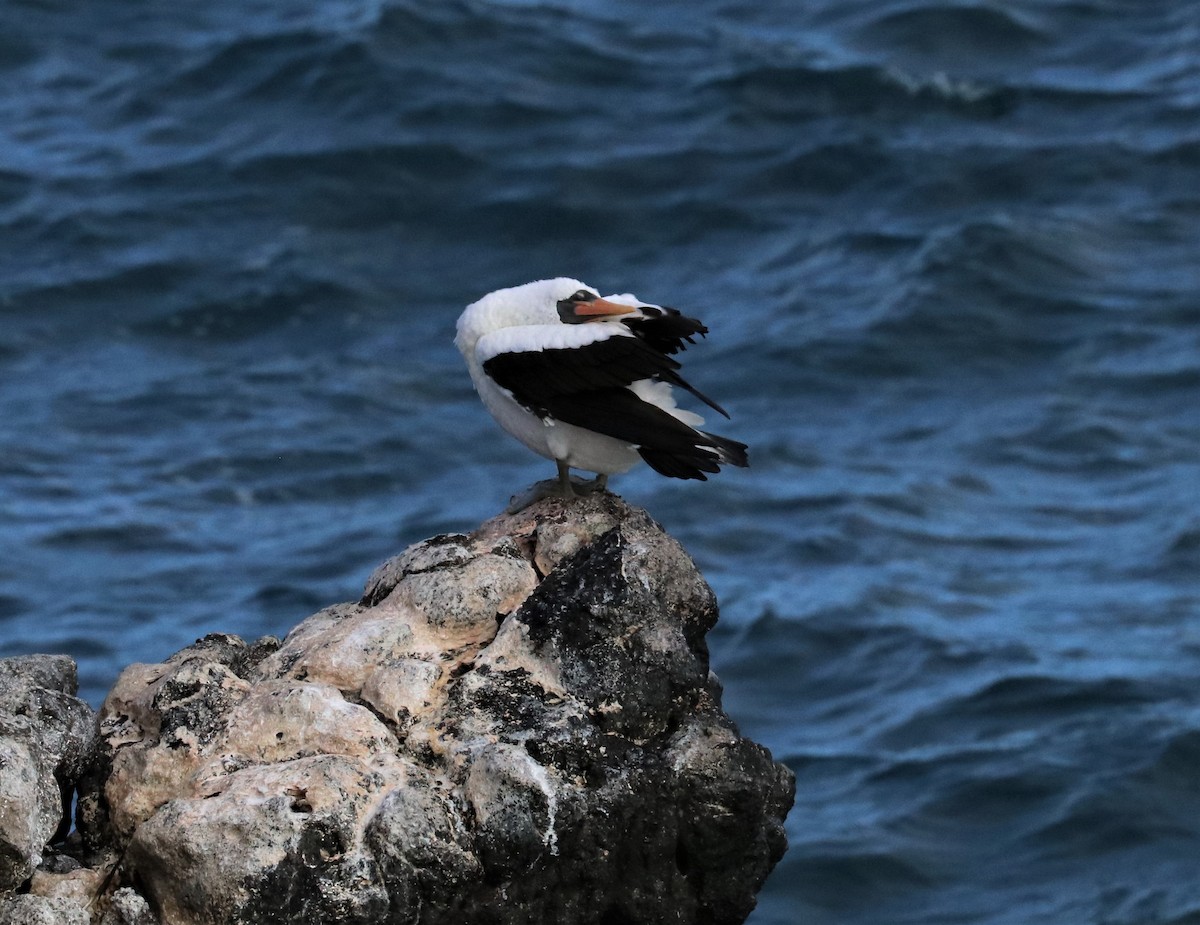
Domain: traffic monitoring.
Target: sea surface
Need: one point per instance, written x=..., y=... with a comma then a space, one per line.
x=949, y=253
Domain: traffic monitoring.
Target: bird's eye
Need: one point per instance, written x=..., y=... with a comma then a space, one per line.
x=583, y=296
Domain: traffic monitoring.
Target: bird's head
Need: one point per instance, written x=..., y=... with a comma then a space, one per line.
x=546, y=301
x=585, y=305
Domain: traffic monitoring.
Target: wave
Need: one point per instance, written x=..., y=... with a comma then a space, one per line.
x=1180, y=560
x=979, y=293
x=16, y=51
x=293, y=67
x=988, y=293
x=14, y=186
x=1101, y=818
x=846, y=876
x=769, y=91
x=12, y=606
x=164, y=299
x=967, y=33
x=248, y=315
x=1006, y=708
x=1073, y=440
x=133, y=537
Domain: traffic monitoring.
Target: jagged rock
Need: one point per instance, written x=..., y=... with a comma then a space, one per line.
x=45, y=737
x=517, y=725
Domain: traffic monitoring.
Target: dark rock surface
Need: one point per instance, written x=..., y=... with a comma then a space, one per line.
x=518, y=725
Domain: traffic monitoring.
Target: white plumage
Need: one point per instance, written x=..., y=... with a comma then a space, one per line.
x=587, y=381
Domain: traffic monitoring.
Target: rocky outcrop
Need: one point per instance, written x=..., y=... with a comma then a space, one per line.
x=518, y=725
x=45, y=737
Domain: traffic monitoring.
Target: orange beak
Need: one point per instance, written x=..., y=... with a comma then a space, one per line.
x=600, y=308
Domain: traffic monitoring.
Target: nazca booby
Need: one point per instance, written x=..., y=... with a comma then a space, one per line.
x=587, y=381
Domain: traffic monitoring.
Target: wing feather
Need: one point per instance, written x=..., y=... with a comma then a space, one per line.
x=537, y=363
x=588, y=385
x=539, y=378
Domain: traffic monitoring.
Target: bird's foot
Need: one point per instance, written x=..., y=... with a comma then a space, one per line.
x=566, y=486
x=594, y=486
x=547, y=488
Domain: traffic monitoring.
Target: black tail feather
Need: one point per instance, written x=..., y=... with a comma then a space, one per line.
x=731, y=451
x=694, y=461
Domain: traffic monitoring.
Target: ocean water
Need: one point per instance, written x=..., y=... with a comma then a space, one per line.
x=949, y=255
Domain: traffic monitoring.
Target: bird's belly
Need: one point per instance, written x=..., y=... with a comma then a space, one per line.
x=578, y=447
x=581, y=448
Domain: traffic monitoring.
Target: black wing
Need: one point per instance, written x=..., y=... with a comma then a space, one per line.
x=667, y=330
x=533, y=376
x=667, y=444
x=586, y=386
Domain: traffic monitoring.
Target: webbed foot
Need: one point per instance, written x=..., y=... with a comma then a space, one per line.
x=565, y=486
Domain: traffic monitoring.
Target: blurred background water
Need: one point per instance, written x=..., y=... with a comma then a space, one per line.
x=949, y=255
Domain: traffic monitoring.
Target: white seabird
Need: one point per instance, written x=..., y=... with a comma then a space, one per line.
x=587, y=381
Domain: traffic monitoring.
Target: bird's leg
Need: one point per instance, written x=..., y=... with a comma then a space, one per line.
x=566, y=489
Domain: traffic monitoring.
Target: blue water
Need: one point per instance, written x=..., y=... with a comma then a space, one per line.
x=949, y=255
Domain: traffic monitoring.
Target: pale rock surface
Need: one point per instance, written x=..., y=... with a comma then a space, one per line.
x=27, y=909
x=513, y=726
x=45, y=737
x=80, y=886
x=127, y=907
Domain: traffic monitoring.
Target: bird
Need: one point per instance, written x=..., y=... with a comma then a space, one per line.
x=588, y=381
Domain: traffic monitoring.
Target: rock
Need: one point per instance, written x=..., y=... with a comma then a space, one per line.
x=26, y=909
x=167, y=705
x=128, y=908
x=80, y=886
x=45, y=737
x=516, y=725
